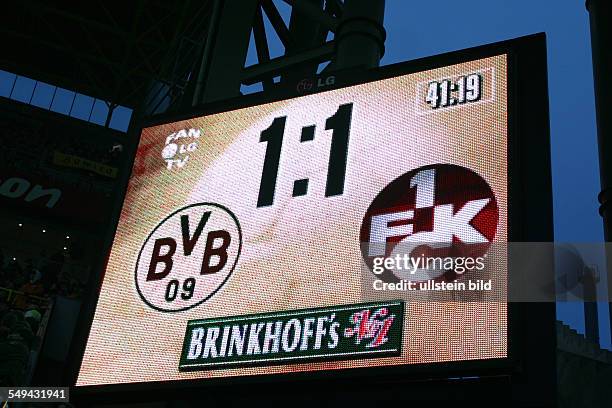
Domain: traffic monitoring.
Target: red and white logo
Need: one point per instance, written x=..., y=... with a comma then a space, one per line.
x=188, y=257
x=440, y=210
x=370, y=326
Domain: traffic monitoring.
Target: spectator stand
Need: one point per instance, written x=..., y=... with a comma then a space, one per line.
x=22, y=330
x=27, y=299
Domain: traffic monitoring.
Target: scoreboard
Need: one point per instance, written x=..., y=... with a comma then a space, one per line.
x=317, y=233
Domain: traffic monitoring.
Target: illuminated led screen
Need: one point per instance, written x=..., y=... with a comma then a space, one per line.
x=248, y=239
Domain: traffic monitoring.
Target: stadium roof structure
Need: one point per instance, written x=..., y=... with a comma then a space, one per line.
x=156, y=56
x=110, y=50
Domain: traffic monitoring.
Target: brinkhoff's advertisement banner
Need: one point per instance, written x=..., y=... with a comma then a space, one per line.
x=278, y=238
x=329, y=333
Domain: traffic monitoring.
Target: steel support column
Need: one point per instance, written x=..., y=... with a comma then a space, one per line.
x=360, y=36
x=225, y=52
x=600, y=12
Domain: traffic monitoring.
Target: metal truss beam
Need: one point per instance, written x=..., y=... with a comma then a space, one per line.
x=261, y=43
x=315, y=13
x=277, y=66
x=277, y=22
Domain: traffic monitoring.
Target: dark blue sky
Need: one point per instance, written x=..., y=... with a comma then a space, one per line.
x=421, y=28
x=417, y=29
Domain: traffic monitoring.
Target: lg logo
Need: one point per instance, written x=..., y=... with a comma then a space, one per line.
x=188, y=257
x=441, y=210
x=307, y=84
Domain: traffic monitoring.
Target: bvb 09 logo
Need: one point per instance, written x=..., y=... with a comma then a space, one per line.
x=434, y=213
x=188, y=257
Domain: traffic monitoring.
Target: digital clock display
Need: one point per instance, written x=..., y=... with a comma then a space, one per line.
x=465, y=89
x=240, y=244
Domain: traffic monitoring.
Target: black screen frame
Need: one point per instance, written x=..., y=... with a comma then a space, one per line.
x=528, y=151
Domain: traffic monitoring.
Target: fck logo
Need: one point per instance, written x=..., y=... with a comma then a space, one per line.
x=440, y=210
x=370, y=326
x=188, y=257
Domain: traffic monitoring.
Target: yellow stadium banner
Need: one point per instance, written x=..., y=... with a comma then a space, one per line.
x=68, y=160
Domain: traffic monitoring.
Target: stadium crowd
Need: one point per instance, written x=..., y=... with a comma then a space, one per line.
x=26, y=298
